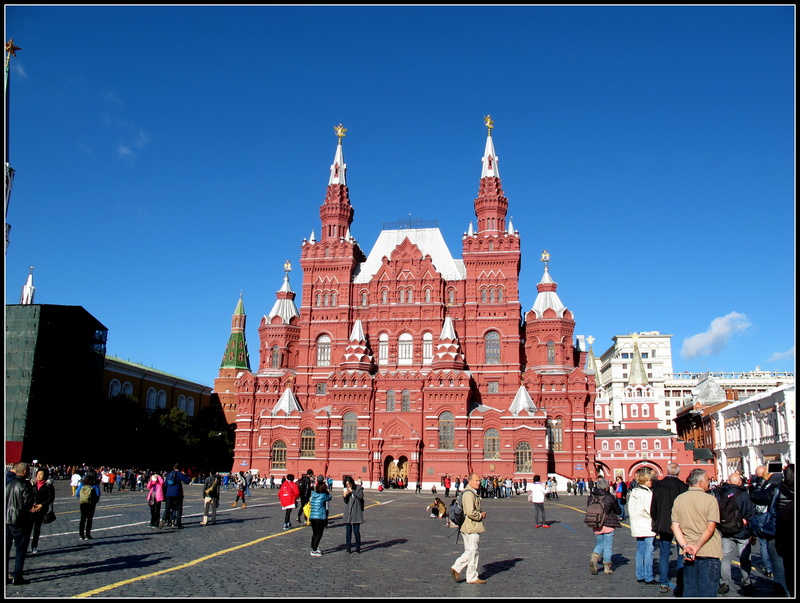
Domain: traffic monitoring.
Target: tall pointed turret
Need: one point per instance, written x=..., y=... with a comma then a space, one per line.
x=236, y=356
x=284, y=305
x=336, y=212
x=26, y=298
x=356, y=355
x=638, y=375
x=491, y=205
x=448, y=351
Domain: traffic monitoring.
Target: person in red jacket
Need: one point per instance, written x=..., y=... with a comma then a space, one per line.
x=288, y=495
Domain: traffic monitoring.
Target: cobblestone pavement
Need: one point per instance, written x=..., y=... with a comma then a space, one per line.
x=405, y=553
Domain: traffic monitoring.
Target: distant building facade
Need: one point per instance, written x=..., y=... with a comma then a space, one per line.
x=407, y=363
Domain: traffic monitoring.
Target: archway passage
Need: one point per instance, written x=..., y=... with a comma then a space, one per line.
x=395, y=469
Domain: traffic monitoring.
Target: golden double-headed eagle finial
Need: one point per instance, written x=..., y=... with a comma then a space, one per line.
x=489, y=123
x=11, y=49
x=340, y=130
x=287, y=266
x=545, y=256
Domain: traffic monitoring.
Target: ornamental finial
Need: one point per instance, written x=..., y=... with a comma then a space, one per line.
x=591, y=340
x=489, y=123
x=545, y=257
x=10, y=48
x=340, y=132
x=287, y=267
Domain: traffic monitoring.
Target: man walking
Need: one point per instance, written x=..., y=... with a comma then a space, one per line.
x=19, y=500
x=695, y=515
x=665, y=491
x=737, y=541
x=471, y=531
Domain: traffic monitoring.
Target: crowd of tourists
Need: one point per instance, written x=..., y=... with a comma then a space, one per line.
x=708, y=527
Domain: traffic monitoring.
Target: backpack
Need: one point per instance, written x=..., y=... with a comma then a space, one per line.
x=763, y=524
x=730, y=518
x=87, y=494
x=456, y=511
x=595, y=514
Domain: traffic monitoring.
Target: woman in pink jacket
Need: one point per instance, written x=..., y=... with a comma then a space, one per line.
x=155, y=494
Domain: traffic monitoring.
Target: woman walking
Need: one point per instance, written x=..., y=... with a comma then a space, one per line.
x=288, y=494
x=318, y=514
x=641, y=525
x=354, y=512
x=88, y=494
x=241, y=486
x=155, y=495
x=43, y=496
x=604, y=534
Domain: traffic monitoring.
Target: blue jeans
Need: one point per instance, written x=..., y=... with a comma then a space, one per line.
x=701, y=577
x=19, y=537
x=603, y=546
x=354, y=528
x=664, y=551
x=621, y=502
x=644, y=558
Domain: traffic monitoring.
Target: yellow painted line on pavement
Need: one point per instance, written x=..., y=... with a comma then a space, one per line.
x=188, y=564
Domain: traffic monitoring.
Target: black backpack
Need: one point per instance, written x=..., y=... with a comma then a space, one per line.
x=731, y=521
x=456, y=511
x=595, y=513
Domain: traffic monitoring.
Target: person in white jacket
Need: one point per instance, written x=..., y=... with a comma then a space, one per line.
x=537, y=496
x=641, y=525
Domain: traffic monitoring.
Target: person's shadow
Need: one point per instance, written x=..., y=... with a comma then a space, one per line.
x=496, y=567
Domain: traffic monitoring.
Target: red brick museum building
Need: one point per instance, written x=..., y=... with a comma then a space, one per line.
x=408, y=362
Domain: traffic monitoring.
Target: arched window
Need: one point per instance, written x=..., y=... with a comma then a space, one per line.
x=324, y=350
x=276, y=357
x=500, y=296
x=492, y=347
x=405, y=401
x=182, y=403
x=279, y=455
x=645, y=410
x=556, y=434
x=617, y=445
x=657, y=444
x=383, y=349
x=634, y=411
x=523, y=459
x=151, y=399
x=384, y=296
x=551, y=352
x=390, y=400
x=190, y=406
x=349, y=430
x=364, y=298
x=410, y=295
x=401, y=296
x=162, y=398
x=405, y=349
x=334, y=298
x=318, y=299
x=427, y=348
x=491, y=444
x=127, y=389
x=643, y=445
x=447, y=424
x=308, y=443
x=605, y=444
x=451, y=296
x=631, y=445
x=114, y=388
x=428, y=294
x=483, y=296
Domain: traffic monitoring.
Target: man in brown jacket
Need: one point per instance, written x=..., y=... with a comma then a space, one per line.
x=471, y=531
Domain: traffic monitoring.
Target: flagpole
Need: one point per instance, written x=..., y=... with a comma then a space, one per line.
x=11, y=50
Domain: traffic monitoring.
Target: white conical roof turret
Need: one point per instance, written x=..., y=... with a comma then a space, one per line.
x=522, y=402
x=490, y=169
x=339, y=167
x=357, y=334
x=547, y=297
x=284, y=305
x=287, y=403
x=28, y=290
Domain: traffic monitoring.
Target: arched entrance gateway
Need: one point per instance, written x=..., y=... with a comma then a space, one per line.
x=395, y=468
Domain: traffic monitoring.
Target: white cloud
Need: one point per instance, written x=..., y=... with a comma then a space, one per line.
x=714, y=340
x=782, y=355
x=124, y=151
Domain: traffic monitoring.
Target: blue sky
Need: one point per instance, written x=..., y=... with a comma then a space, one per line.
x=169, y=158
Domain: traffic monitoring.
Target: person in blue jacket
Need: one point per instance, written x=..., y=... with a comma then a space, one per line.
x=173, y=495
x=318, y=514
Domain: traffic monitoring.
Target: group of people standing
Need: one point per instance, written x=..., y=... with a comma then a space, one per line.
x=667, y=510
x=311, y=497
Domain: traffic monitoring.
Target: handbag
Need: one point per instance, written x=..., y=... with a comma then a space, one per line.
x=764, y=524
x=49, y=517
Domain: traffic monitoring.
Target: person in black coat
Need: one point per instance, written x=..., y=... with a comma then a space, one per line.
x=739, y=542
x=43, y=496
x=665, y=491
